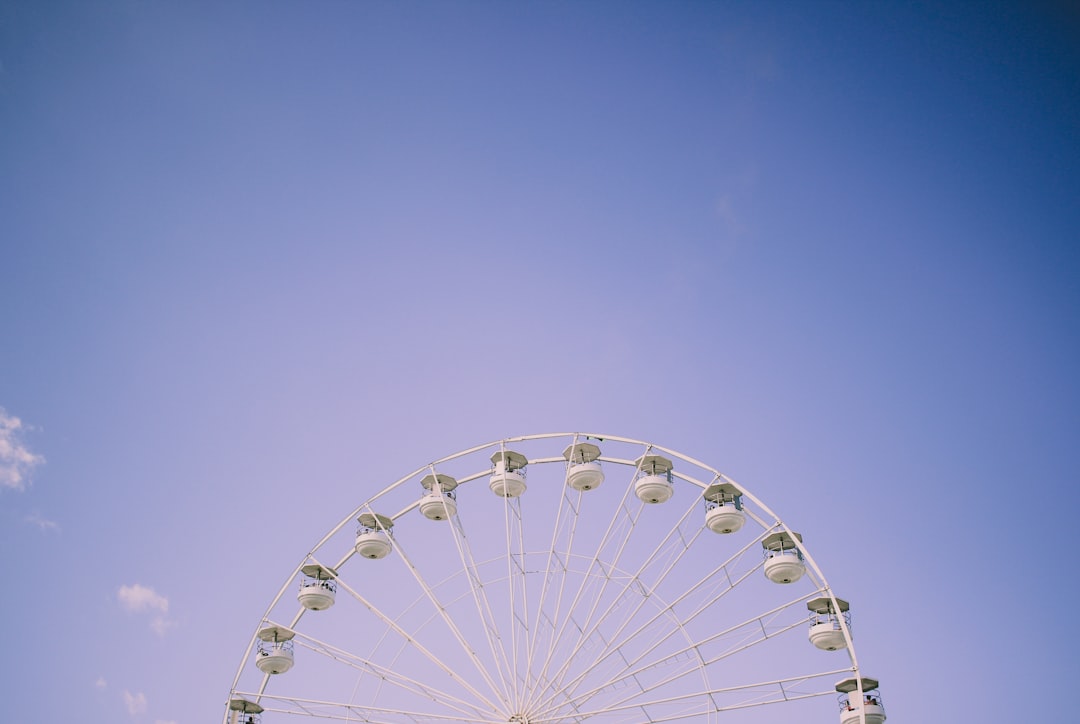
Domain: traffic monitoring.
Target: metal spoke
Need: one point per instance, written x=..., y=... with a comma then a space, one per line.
x=390, y=675
x=775, y=684
x=451, y=625
x=356, y=712
x=620, y=510
x=635, y=578
x=390, y=623
x=617, y=640
x=761, y=637
x=566, y=506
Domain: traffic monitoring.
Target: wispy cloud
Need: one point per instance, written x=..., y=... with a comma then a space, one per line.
x=138, y=598
x=16, y=460
x=100, y=683
x=44, y=524
x=161, y=625
x=136, y=703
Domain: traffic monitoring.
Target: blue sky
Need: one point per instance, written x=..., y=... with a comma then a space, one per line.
x=259, y=259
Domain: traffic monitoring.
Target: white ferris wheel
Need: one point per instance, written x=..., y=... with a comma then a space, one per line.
x=556, y=578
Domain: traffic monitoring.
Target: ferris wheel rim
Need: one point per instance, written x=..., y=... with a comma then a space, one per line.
x=776, y=524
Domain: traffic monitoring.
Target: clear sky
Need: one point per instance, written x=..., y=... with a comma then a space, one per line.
x=257, y=260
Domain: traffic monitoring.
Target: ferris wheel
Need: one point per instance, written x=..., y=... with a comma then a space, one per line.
x=560, y=577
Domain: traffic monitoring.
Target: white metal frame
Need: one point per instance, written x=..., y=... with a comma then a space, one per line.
x=519, y=669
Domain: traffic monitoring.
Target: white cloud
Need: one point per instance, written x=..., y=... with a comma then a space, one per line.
x=16, y=460
x=163, y=721
x=140, y=599
x=44, y=524
x=100, y=683
x=136, y=703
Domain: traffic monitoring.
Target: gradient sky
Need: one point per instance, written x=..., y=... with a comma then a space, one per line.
x=257, y=260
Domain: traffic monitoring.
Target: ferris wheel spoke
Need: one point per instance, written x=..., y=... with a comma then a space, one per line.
x=448, y=621
x=607, y=571
x=756, y=624
x=558, y=564
x=484, y=609
x=778, y=689
x=621, y=513
x=390, y=675
x=517, y=590
x=334, y=710
x=636, y=587
x=520, y=619
x=545, y=582
x=691, y=589
x=405, y=635
x=764, y=636
x=719, y=575
x=758, y=634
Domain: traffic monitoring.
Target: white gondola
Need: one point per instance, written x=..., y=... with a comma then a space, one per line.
x=275, y=652
x=723, y=508
x=508, y=473
x=373, y=535
x=317, y=587
x=783, y=559
x=853, y=708
x=583, y=471
x=242, y=711
x=825, y=630
x=440, y=501
x=653, y=484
